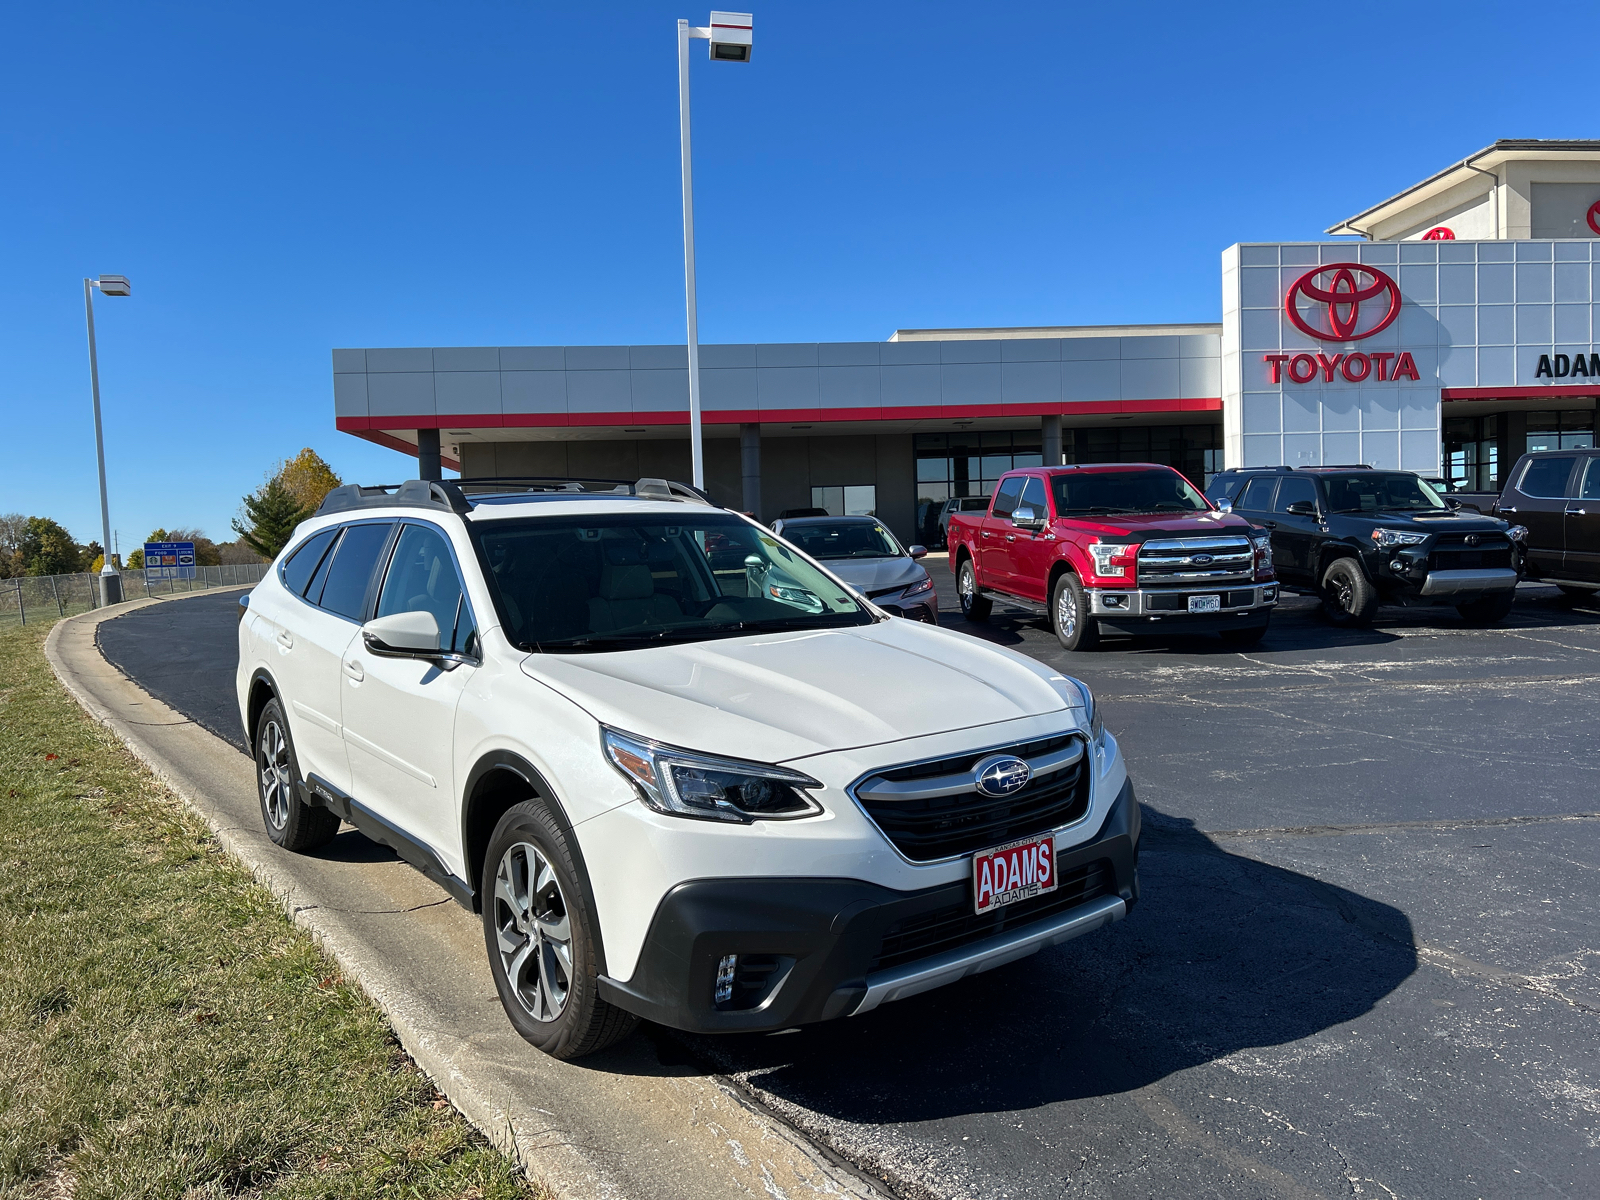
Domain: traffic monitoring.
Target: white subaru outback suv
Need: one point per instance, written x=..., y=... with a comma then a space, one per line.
x=683, y=772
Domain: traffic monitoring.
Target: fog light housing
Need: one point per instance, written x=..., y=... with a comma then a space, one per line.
x=1114, y=601
x=1399, y=566
x=726, y=970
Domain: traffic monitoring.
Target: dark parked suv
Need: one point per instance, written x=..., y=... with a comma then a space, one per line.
x=1359, y=537
x=1556, y=495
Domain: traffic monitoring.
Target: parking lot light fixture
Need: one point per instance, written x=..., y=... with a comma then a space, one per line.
x=730, y=37
x=109, y=285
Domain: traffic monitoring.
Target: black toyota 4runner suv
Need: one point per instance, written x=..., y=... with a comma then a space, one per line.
x=1360, y=537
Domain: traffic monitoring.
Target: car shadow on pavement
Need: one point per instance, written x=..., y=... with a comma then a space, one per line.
x=1224, y=956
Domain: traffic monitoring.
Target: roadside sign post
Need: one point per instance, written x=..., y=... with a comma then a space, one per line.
x=168, y=560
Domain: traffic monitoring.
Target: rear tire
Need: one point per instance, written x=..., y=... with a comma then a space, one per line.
x=290, y=821
x=1244, y=637
x=1489, y=610
x=974, y=607
x=1348, y=598
x=541, y=937
x=1069, y=609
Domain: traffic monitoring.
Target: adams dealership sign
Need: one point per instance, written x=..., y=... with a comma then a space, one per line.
x=1342, y=302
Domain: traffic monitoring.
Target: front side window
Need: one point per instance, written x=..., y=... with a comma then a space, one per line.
x=1381, y=491
x=619, y=581
x=345, y=589
x=1547, y=477
x=1033, y=496
x=844, y=539
x=422, y=578
x=1591, y=481
x=1090, y=492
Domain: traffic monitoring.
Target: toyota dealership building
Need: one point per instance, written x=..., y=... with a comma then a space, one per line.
x=1461, y=330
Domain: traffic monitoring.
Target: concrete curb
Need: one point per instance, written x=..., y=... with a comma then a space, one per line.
x=620, y=1125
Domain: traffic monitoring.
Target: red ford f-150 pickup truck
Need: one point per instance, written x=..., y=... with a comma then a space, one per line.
x=1128, y=548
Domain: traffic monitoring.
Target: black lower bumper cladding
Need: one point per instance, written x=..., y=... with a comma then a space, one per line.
x=815, y=941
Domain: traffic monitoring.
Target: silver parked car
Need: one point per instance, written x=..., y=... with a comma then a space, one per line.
x=860, y=551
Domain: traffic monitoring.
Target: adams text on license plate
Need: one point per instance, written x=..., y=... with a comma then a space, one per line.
x=1015, y=871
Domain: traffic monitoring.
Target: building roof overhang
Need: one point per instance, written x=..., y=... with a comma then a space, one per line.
x=1478, y=165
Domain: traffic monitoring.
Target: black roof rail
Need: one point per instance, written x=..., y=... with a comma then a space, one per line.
x=413, y=493
x=648, y=488
x=1337, y=467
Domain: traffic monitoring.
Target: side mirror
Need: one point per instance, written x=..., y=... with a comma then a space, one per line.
x=1302, y=508
x=918, y=551
x=402, y=635
x=1452, y=502
x=1224, y=505
x=1027, y=517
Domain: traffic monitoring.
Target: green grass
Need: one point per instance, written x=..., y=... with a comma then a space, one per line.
x=165, y=1031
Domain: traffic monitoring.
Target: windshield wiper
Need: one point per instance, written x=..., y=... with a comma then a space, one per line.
x=1102, y=508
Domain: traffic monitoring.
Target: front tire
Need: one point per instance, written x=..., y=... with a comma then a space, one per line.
x=974, y=607
x=1069, y=615
x=290, y=821
x=1488, y=610
x=1348, y=597
x=541, y=937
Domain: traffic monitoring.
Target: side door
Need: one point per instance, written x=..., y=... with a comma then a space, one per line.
x=1582, y=526
x=1294, y=533
x=1031, y=550
x=1253, y=502
x=994, y=566
x=1538, y=499
x=400, y=713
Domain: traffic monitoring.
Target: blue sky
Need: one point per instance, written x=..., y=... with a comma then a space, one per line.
x=281, y=180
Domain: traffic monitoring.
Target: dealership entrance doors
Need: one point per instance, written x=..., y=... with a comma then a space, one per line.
x=1481, y=446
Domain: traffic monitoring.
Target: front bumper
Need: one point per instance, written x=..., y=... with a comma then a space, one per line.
x=831, y=948
x=1451, y=583
x=924, y=610
x=1150, y=610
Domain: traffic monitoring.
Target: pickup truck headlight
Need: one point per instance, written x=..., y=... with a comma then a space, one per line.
x=917, y=589
x=682, y=783
x=1112, y=559
x=1096, y=726
x=1398, y=537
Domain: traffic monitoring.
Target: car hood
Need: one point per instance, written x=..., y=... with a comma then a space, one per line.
x=1145, y=525
x=774, y=697
x=875, y=574
x=1445, y=522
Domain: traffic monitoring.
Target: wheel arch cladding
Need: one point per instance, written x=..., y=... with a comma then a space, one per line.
x=1333, y=552
x=263, y=689
x=498, y=781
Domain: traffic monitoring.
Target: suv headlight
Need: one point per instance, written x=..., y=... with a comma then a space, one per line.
x=1096, y=726
x=1518, y=533
x=1398, y=537
x=682, y=783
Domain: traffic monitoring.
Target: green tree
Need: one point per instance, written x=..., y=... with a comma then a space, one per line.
x=308, y=478
x=270, y=515
x=45, y=548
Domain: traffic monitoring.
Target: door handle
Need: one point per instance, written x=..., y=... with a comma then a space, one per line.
x=1574, y=512
x=285, y=639
x=1011, y=537
x=353, y=669
x=985, y=533
x=1508, y=508
x=1270, y=524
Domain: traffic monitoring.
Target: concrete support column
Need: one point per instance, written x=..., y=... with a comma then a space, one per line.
x=428, y=464
x=1050, y=425
x=750, y=467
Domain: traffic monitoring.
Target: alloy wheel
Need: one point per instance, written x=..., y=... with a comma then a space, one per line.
x=533, y=931
x=1067, y=612
x=276, y=778
x=966, y=585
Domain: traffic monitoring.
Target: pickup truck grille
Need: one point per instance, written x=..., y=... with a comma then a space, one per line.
x=1202, y=561
x=933, y=810
x=957, y=925
x=1451, y=552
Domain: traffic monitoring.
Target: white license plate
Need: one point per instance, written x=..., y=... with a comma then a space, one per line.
x=1015, y=871
x=1205, y=603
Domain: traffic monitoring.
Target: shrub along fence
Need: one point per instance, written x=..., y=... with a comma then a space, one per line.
x=37, y=597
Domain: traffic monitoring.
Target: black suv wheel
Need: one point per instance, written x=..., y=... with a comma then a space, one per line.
x=1348, y=597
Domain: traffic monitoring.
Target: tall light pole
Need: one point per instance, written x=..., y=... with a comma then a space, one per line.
x=729, y=35
x=109, y=285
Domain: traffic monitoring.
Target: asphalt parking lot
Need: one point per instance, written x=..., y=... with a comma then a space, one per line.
x=1363, y=964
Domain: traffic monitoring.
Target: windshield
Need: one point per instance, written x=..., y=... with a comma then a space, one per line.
x=1125, y=492
x=619, y=581
x=1388, y=491
x=843, y=539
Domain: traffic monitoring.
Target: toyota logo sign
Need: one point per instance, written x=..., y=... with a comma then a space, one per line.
x=1001, y=775
x=1341, y=307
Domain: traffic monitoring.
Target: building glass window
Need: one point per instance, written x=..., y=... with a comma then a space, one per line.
x=1569, y=429
x=858, y=500
x=953, y=465
x=1472, y=453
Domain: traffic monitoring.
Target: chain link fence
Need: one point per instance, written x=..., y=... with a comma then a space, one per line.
x=38, y=597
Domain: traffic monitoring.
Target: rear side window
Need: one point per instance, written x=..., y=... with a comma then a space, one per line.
x=1257, y=495
x=1293, y=490
x=345, y=591
x=1005, y=500
x=1547, y=477
x=298, y=569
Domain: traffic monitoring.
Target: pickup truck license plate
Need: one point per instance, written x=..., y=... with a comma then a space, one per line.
x=1205, y=603
x=1015, y=871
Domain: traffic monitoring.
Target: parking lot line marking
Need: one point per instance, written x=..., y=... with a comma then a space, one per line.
x=1293, y=831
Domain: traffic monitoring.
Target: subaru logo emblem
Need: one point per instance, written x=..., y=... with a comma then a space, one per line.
x=1001, y=775
x=1201, y=560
